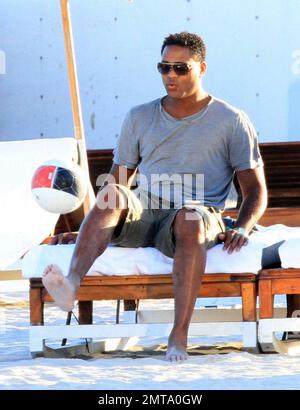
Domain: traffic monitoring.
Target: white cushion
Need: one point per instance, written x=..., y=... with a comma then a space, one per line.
x=138, y=261
x=131, y=261
x=289, y=253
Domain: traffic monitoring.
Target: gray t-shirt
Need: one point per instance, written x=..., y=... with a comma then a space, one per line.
x=208, y=147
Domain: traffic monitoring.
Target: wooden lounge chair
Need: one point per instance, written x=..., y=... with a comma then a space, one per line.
x=277, y=282
x=135, y=288
x=280, y=160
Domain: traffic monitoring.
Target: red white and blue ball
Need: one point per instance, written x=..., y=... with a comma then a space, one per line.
x=58, y=187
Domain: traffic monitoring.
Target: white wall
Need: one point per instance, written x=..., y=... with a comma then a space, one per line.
x=253, y=54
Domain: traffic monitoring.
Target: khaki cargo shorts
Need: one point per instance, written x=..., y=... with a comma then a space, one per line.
x=154, y=227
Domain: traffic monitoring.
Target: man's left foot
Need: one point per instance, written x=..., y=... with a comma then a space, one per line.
x=59, y=287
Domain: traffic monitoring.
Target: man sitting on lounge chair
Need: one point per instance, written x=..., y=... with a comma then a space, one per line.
x=181, y=137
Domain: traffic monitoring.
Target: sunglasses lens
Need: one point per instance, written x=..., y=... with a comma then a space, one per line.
x=163, y=68
x=181, y=69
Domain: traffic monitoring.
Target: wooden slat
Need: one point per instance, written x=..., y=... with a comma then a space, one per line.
x=150, y=291
x=220, y=290
x=286, y=286
x=165, y=278
x=36, y=307
x=272, y=216
x=266, y=308
x=126, y=280
x=153, y=279
x=249, y=301
x=281, y=164
x=266, y=274
x=100, y=162
x=282, y=173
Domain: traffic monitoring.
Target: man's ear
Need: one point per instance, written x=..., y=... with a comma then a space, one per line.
x=203, y=67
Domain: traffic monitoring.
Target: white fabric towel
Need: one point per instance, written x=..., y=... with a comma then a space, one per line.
x=131, y=261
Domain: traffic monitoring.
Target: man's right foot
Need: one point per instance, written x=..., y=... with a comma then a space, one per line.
x=176, y=353
x=59, y=287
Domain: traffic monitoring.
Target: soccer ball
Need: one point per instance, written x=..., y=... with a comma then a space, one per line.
x=59, y=187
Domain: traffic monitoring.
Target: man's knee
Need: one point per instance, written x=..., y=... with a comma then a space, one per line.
x=189, y=226
x=111, y=196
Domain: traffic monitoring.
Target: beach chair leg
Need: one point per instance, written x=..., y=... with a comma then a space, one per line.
x=36, y=307
x=293, y=305
x=36, y=343
x=248, y=291
x=85, y=309
x=130, y=311
x=250, y=337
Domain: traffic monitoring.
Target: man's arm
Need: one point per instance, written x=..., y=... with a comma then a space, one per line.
x=254, y=193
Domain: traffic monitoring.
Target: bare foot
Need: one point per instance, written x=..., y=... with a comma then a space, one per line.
x=59, y=287
x=176, y=353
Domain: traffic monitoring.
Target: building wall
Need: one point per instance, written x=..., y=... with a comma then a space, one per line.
x=253, y=55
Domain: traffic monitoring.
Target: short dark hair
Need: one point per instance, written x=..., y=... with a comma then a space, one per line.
x=184, y=39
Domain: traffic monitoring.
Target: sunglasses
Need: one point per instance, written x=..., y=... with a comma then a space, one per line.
x=179, y=68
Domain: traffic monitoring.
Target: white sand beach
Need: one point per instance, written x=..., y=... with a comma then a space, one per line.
x=208, y=368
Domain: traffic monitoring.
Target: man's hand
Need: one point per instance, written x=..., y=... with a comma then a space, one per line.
x=64, y=238
x=233, y=240
x=254, y=192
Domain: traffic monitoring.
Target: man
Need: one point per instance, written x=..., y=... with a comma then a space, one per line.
x=188, y=133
